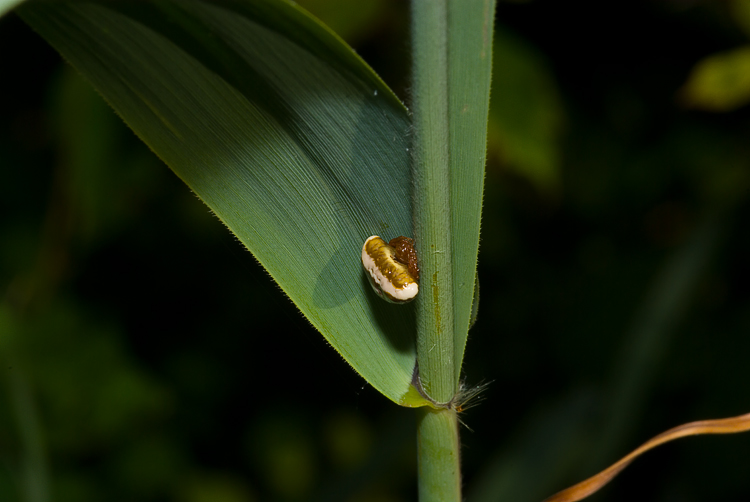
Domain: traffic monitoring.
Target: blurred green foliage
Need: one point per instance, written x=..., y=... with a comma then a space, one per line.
x=526, y=122
x=613, y=266
x=721, y=82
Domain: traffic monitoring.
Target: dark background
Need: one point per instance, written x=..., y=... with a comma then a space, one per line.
x=146, y=356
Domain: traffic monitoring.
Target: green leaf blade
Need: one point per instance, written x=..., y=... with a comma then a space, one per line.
x=8, y=5
x=470, y=71
x=299, y=149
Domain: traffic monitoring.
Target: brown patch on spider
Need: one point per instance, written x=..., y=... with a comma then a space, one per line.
x=406, y=254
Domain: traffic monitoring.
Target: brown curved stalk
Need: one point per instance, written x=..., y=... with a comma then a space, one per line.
x=719, y=426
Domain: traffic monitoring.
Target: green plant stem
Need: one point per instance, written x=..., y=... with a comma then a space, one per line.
x=435, y=346
x=437, y=435
x=438, y=455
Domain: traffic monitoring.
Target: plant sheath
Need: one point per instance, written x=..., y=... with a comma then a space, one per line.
x=438, y=445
